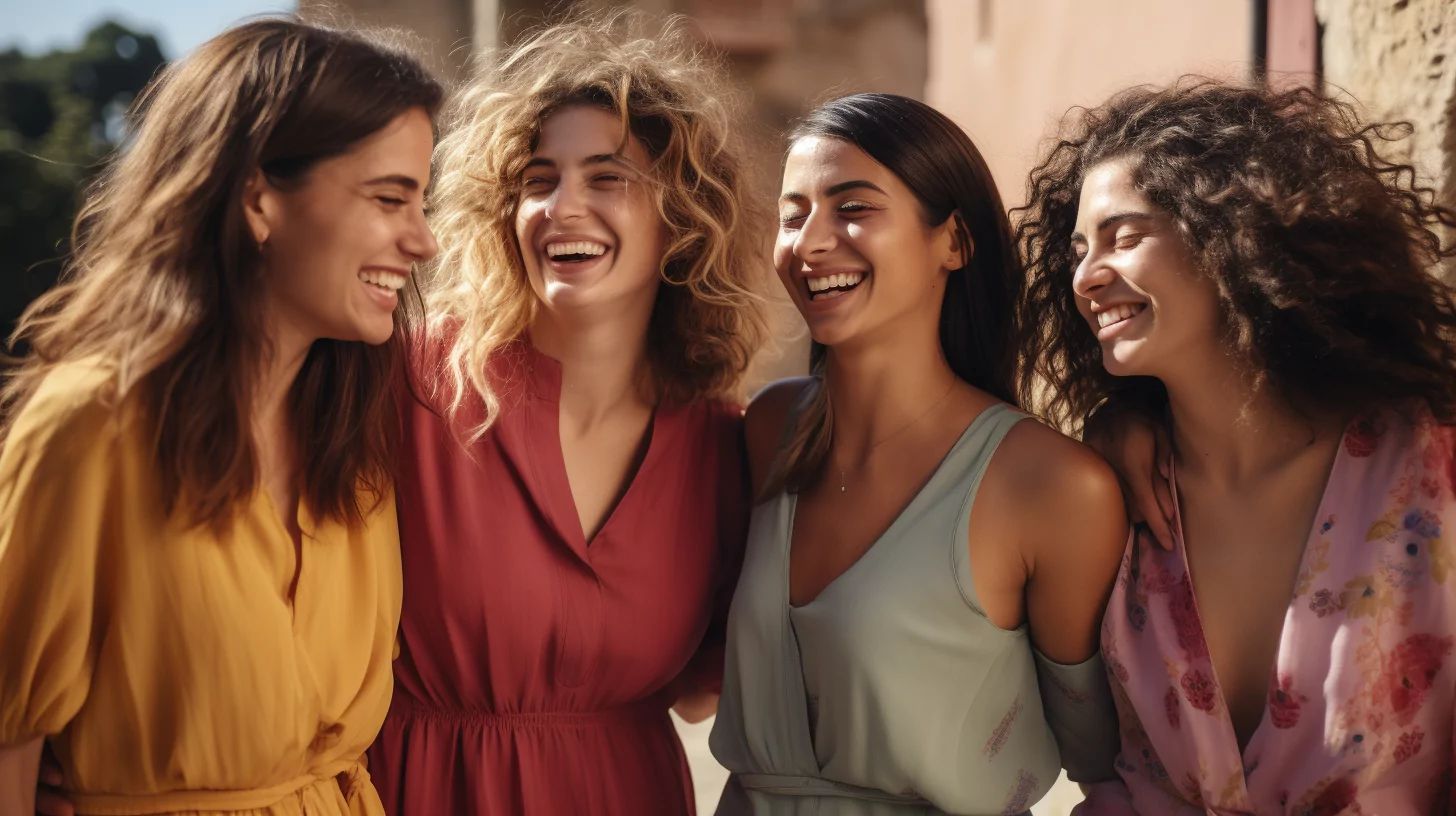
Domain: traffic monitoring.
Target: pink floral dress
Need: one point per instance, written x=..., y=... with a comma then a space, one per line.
x=1359, y=718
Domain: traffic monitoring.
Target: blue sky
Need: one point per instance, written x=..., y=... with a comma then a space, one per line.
x=40, y=25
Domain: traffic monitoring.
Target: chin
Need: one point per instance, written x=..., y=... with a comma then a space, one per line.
x=829, y=335
x=374, y=335
x=1123, y=364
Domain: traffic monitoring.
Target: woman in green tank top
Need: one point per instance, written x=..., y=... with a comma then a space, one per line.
x=915, y=629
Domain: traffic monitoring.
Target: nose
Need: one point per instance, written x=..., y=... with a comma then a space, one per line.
x=565, y=203
x=816, y=235
x=419, y=241
x=1091, y=276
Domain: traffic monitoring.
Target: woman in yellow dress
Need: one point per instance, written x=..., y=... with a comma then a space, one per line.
x=199, y=560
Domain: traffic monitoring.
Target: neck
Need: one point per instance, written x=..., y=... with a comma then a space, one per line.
x=603, y=358
x=1228, y=432
x=282, y=361
x=879, y=388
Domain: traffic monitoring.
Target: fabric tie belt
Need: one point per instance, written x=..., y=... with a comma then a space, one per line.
x=785, y=785
x=227, y=800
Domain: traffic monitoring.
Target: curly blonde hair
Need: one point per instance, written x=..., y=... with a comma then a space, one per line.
x=708, y=320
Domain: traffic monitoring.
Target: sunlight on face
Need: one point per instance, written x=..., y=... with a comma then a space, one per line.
x=853, y=249
x=587, y=222
x=1136, y=281
x=341, y=244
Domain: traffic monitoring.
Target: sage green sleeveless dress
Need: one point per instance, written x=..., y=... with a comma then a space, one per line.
x=891, y=693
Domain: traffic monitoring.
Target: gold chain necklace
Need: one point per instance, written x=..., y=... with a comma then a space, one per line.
x=898, y=431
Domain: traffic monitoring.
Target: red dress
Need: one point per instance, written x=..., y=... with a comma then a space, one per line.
x=533, y=666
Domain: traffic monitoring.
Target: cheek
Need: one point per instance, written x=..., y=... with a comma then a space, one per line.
x=637, y=224
x=527, y=214
x=319, y=236
x=783, y=258
x=1084, y=308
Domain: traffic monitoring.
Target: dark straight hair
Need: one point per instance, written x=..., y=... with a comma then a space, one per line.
x=945, y=171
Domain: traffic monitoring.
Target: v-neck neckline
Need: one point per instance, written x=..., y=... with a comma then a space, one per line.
x=544, y=375
x=904, y=513
x=1226, y=725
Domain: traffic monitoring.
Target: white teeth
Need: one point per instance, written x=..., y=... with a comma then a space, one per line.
x=392, y=281
x=575, y=248
x=835, y=281
x=1119, y=313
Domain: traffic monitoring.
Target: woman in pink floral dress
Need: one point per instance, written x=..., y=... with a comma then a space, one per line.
x=1249, y=265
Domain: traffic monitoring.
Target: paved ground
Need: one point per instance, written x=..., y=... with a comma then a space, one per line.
x=708, y=776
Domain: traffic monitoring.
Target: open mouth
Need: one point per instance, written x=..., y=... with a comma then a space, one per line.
x=575, y=251
x=386, y=281
x=826, y=287
x=1118, y=314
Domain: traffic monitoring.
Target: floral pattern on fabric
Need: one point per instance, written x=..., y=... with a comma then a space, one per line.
x=1360, y=703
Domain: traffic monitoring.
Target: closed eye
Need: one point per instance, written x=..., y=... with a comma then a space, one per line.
x=788, y=219
x=390, y=201
x=1130, y=240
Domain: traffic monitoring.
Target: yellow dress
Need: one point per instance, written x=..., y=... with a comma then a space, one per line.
x=167, y=665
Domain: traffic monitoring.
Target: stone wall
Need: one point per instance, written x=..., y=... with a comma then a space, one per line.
x=1395, y=57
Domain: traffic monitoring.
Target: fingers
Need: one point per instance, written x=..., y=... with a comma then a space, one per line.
x=1134, y=512
x=1148, y=511
x=51, y=803
x=1162, y=484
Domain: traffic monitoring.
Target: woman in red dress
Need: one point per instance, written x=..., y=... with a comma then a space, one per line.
x=572, y=495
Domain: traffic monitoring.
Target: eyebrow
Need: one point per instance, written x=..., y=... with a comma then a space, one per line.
x=1115, y=218
x=599, y=158
x=841, y=187
x=403, y=181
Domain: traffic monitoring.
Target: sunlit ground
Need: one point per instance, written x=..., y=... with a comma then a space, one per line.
x=709, y=776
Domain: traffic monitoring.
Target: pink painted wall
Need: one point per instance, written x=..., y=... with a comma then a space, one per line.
x=1006, y=70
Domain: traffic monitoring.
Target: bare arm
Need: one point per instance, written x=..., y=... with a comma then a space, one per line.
x=1077, y=532
x=19, y=770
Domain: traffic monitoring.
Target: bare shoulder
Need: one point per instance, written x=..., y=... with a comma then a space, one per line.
x=1067, y=492
x=763, y=422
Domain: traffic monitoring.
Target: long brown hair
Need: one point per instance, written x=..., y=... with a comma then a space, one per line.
x=945, y=171
x=708, y=320
x=165, y=288
x=1321, y=248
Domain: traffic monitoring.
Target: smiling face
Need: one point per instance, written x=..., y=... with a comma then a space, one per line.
x=338, y=244
x=1136, y=281
x=587, y=222
x=853, y=248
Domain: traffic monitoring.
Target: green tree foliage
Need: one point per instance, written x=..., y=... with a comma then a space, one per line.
x=61, y=113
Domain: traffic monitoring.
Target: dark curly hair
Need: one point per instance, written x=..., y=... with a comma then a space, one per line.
x=1321, y=248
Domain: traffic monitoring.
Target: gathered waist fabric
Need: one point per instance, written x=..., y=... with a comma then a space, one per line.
x=630, y=714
